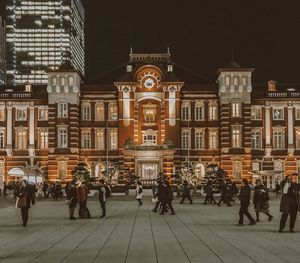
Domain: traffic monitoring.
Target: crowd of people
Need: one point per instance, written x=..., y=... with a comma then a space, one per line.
x=76, y=192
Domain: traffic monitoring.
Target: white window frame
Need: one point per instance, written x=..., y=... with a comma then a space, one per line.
x=62, y=110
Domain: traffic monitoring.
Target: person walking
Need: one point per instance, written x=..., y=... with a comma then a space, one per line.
x=102, y=197
x=186, y=192
x=139, y=192
x=244, y=196
x=290, y=201
x=167, y=198
x=261, y=200
x=25, y=197
x=72, y=197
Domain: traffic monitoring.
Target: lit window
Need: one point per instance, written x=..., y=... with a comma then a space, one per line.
x=100, y=139
x=62, y=137
x=199, y=139
x=236, y=136
x=185, y=139
x=86, y=139
x=213, y=139
x=86, y=111
x=278, y=139
x=256, y=114
x=99, y=114
x=186, y=111
x=236, y=109
x=278, y=114
x=199, y=111
x=42, y=114
x=43, y=139
x=2, y=139
x=256, y=139
x=113, y=111
x=113, y=139
x=2, y=114
x=21, y=138
x=212, y=112
x=63, y=110
x=21, y=114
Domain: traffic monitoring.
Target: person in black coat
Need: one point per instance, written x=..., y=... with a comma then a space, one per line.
x=167, y=198
x=244, y=196
x=261, y=200
x=290, y=201
x=25, y=197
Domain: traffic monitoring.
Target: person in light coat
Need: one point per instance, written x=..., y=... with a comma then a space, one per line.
x=139, y=192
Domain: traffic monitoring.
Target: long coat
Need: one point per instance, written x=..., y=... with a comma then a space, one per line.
x=285, y=201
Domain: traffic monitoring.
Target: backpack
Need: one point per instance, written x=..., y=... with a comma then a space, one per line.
x=107, y=191
x=140, y=189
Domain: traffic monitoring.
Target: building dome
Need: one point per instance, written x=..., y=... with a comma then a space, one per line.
x=232, y=64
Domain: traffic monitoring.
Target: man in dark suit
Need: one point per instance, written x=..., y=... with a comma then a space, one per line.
x=244, y=196
x=290, y=201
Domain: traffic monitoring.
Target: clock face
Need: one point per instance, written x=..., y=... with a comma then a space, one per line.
x=149, y=83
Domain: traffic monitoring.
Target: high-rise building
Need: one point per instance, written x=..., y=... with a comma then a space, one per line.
x=41, y=35
x=2, y=52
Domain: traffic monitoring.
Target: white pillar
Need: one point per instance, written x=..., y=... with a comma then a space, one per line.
x=268, y=126
x=290, y=126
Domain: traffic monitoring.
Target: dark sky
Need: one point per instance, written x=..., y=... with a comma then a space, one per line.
x=264, y=34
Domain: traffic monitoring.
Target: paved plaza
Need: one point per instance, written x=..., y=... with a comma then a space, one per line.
x=197, y=233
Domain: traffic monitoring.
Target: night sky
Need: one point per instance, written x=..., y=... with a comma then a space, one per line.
x=264, y=34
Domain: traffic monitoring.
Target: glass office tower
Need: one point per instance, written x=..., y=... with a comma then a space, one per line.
x=41, y=35
x=2, y=51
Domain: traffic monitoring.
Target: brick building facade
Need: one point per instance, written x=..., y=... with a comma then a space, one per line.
x=152, y=115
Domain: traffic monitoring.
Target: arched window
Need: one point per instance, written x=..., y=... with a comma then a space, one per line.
x=99, y=111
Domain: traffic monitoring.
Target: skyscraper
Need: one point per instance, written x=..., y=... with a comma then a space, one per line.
x=41, y=35
x=2, y=52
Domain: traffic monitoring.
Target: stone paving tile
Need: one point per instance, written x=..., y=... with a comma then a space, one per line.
x=197, y=233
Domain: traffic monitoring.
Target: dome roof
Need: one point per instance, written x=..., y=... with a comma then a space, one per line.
x=232, y=64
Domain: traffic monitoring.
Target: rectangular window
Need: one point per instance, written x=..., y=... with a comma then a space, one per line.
x=278, y=139
x=100, y=139
x=213, y=139
x=2, y=139
x=256, y=114
x=86, y=139
x=212, y=112
x=21, y=114
x=185, y=140
x=43, y=139
x=236, y=109
x=2, y=115
x=63, y=110
x=99, y=114
x=256, y=139
x=86, y=112
x=113, y=139
x=185, y=112
x=199, y=112
x=62, y=137
x=278, y=114
x=42, y=114
x=21, y=139
x=199, y=139
x=236, y=140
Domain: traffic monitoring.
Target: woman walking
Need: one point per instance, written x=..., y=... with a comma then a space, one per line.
x=25, y=197
x=261, y=200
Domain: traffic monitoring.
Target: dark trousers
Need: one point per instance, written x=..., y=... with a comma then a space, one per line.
x=244, y=211
x=188, y=197
x=164, y=207
x=102, y=204
x=24, y=213
x=293, y=216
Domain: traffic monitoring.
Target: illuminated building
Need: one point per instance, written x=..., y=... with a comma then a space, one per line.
x=41, y=35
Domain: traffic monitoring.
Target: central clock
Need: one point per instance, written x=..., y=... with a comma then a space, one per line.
x=149, y=83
